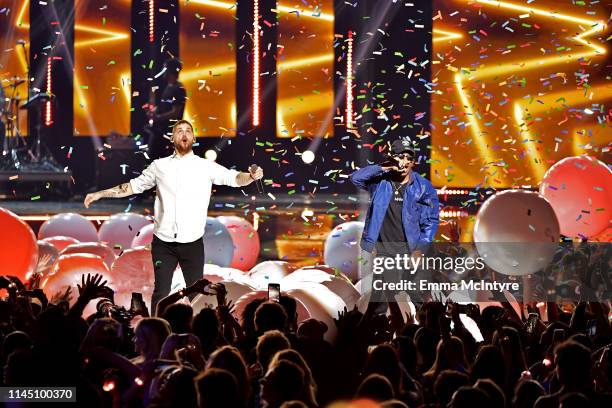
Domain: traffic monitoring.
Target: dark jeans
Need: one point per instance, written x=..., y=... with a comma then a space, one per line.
x=166, y=256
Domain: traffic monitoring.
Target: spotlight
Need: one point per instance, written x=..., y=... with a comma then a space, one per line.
x=210, y=155
x=308, y=156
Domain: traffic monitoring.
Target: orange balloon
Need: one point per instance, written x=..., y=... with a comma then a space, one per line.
x=61, y=242
x=18, y=247
x=68, y=271
x=104, y=251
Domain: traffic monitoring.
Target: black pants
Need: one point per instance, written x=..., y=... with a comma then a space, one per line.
x=166, y=256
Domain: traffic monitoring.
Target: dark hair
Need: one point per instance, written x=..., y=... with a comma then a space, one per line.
x=179, y=316
x=526, y=394
x=216, y=388
x=493, y=391
x=447, y=383
x=229, y=358
x=489, y=363
x=375, y=387
x=573, y=363
x=469, y=397
x=270, y=316
x=270, y=343
x=173, y=65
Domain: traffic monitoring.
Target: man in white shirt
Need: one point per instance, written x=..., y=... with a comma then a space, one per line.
x=183, y=184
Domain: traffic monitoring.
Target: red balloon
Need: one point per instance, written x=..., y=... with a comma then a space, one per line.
x=68, y=272
x=245, y=240
x=61, y=242
x=578, y=188
x=69, y=225
x=18, y=247
x=96, y=248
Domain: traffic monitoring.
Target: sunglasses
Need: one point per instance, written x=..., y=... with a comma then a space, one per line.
x=404, y=156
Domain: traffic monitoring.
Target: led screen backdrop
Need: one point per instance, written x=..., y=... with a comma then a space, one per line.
x=101, y=67
x=14, y=25
x=517, y=85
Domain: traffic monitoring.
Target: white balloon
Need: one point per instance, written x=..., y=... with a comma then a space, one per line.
x=516, y=232
x=339, y=284
x=342, y=250
x=322, y=304
x=270, y=272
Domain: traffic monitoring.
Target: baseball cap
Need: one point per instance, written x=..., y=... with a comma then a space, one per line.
x=402, y=145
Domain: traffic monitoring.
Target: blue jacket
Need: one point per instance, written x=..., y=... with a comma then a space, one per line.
x=420, y=212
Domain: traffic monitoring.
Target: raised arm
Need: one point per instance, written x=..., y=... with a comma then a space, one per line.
x=223, y=176
x=135, y=186
x=364, y=176
x=122, y=190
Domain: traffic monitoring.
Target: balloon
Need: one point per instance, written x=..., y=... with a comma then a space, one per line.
x=47, y=255
x=245, y=240
x=235, y=291
x=270, y=272
x=120, y=229
x=144, y=236
x=18, y=248
x=604, y=236
x=322, y=304
x=516, y=232
x=60, y=242
x=342, y=248
x=579, y=190
x=218, y=246
x=133, y=272
x=323, y=274
x=97, y=248
x=68, y=271
x=69, y=225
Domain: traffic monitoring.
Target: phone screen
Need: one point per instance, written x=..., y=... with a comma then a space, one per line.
x=137, y=304
x=274, y=292
x=531, y=322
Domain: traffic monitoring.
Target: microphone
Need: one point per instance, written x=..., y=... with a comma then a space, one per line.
x=252, y=168
x=20, y=42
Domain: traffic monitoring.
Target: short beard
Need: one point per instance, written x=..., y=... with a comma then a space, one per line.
x=180, y=149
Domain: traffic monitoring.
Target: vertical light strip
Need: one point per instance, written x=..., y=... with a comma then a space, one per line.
x=48, y=117
x=256, y=63
x=151, y=21
x=349, y=81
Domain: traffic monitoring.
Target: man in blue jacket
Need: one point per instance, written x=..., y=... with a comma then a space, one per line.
x=404, y=210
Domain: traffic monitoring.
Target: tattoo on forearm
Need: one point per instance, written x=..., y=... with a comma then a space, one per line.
x=116, y=191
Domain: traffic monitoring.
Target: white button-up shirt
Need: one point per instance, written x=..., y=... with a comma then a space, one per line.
x=183, y=194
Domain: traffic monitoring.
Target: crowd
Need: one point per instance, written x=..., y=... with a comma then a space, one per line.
x=122, y=357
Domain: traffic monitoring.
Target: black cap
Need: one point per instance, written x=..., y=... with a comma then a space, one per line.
x=402, y=145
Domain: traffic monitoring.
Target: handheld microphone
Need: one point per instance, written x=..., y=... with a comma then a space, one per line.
x=252, y=168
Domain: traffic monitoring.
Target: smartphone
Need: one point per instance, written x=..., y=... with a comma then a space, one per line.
x=558, y=336
x=592, y=328
x=183, y=339
x=274, y=292
x=532, y=320
x=137, y=305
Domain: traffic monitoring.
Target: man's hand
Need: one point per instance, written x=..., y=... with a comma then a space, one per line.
x=93, y=287
x=90, y=198
x=256, y=172
x=200, y=287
